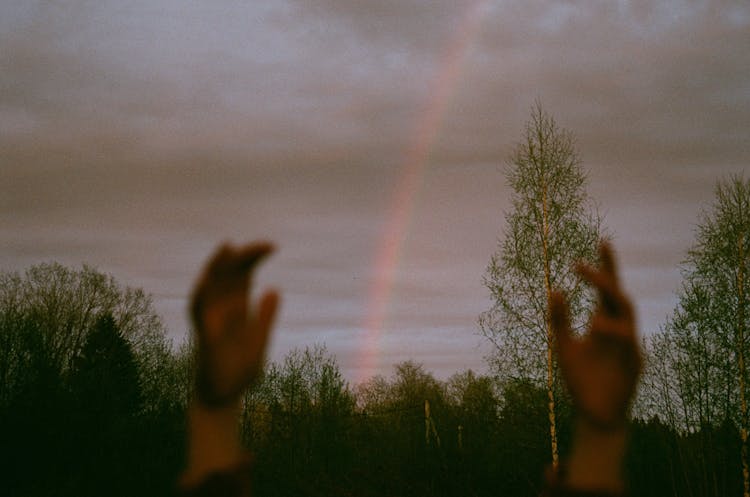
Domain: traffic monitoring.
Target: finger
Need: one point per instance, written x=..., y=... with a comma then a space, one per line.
x=224, y=267
x=220, y=259
x=602, y=324
x=618, y=338
x=560, y=322
x=230, y=261
x=599, y=279
x=607, y=258
x=207, y=275
x=267, y=310
x=248, y=256
x=610, y=297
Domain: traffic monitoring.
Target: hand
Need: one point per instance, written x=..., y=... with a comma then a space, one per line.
x=601, y=368
x=231, y=334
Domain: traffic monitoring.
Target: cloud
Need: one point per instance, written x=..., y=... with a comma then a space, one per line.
x=278, y=81
x=135, y=136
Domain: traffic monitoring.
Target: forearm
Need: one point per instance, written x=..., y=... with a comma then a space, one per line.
x=213, y=442
x=596, y=459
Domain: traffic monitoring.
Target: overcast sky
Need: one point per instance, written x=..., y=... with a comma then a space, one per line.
x=135, y=136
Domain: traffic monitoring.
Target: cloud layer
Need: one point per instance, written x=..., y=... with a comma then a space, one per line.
x=135, y=136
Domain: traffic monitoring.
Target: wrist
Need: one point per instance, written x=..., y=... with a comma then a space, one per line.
x=596, y=458
x=214, y=442
x=224, y=416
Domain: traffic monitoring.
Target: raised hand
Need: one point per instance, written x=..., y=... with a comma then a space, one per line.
x=601, y=368
x=231, y=333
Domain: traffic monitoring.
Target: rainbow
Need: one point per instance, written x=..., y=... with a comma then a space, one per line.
x=407, y=188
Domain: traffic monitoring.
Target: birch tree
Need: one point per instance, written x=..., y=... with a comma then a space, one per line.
x=552, y=224
x=706, y=337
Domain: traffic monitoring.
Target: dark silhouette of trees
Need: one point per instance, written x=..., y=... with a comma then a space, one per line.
x=63, y=304
x=105, y=389
x=298, y=421
x=32, y=432
x=106, y=363
x=86, y=377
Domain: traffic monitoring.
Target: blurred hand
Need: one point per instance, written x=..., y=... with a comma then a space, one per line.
x=601, y=368
x=231, y=333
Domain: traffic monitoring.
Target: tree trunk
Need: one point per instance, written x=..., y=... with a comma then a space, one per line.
x=550, y=338
x=741, y=363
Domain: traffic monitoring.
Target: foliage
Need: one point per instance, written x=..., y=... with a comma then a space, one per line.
x=85, y=376
x=551, y=226
x=297, y=420
x=700, y=348
x=62, y=305
x=105, y=446
x=697, y=376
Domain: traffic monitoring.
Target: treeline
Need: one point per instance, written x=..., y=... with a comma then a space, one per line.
x=92, y=396
x=409, y=434
x=92, y=402
x=412, y=434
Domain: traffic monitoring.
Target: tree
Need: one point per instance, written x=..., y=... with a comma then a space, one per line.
x=475, y=400
x=551, y=226
x=296, y=419
x=84, y=362
x=107, y=363
x=705, y=341
x=104, y=379
x=523, y=448
x=62, y=305
x=31, y=390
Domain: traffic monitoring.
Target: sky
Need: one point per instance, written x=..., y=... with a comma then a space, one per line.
x=368, y=140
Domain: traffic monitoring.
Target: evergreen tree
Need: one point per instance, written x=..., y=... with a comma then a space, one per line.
x=105, y=389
